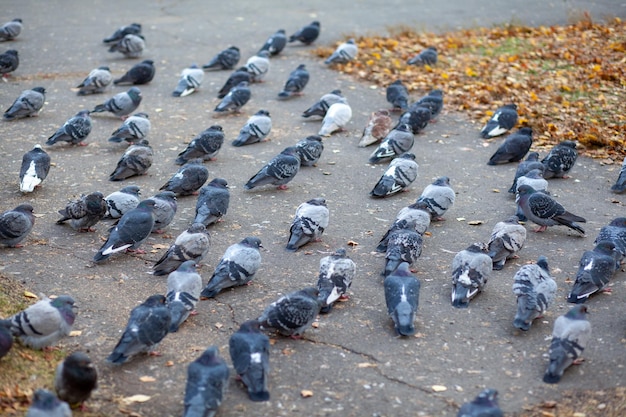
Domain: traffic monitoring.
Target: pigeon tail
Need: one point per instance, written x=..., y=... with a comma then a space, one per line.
x=569, y=222
x=179, y=313
x=100, y=108
x=460, y=296
x=209, y=292
x=259, y=396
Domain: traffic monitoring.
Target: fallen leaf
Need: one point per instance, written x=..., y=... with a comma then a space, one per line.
x=306, y=393
x=29, y=294
x=475, y=222
x=146, y=378
x=439, y=388
x=366, y=365
x=137, y=398
x=75, y=333
x=169, y=363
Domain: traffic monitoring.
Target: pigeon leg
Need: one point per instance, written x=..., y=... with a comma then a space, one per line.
x=344, y=297
x=541, y=229
x=608, y=290
x=282, y=187
x=137, y=251
x=82, y=144
x=578, y=361
x=439, y=219
x=193, y=313
x=154, y=353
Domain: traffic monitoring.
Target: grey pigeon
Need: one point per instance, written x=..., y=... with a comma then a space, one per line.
x=620, y=184
x=206, y=145
x=43, y=323
x=398, y=141
x=75, y=378
x=514, y=147
x=595, y=269
x=400, y=173
x=237, y=267
x=28, y=104
x=191, y=245
x=131, y=46
x=397, y=95
x=189, y=178
x=135, y=161
x=275, y=43
x=545, y=211
x=133, y=129
x=119, y=202
x=378, y=126
x=132, y=29
x=471, y=269
x=531, y=162
x=250, y=353
x=320, y=107
x=165, y=208
x=9, y=61
x=256, y=129
x=426, y=57
x=258, y=66
x=615, y=232
x=85, y=212
x=310, y=150
x=190, y=80
x=344, y=53
x=121, y=104
x=533, y=178
x=46, y=404
x=335, y=278
x=183, y=291
x=484, y=405
x=337, y=116
x=296, y=82
x=236, y=77
x=130, y=232
x=570, y=336
x=6, y=339
x=98, y=81
x=213, y=201
x=16, y=224
x=293, y=313
x=402, y=291
x=34, y=169
x=236, y=98
x=417, y=117
x=309, y=223
x=224, y=60
x=502, y=120
x=433, y=101
x=207, y=379
x=10, y=30
x=147, y=325
x=507, y=238
x=560, y=160
x=415, y=216
x=439, y=197
x=403, y=245
x=278, y=171
x=74, y=130
x=138, y=74
x=307, y=34
x=535, y=290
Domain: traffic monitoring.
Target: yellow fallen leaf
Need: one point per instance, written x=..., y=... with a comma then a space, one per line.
x=146, y=378
x=29, y=294
x=75, y=333
x=306, y=393
x=366, y=365
x=138, y=398
x=439, y=388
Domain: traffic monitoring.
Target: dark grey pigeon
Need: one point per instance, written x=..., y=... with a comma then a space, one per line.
x=426, y=57
x=250, y=353
x=595, y=270
x=212, y=203
x=239, y=75
x=615, y=232
x=570, y=336
x=296, y=82
x=119, y=202
x=398, y=141
x=278, y=171
x=275, y=43
x=503, y=120
x=191, y=245
x=133, y=129
x=403, y=245
x=531, y=162
x=46, y=404
x=560, y=160
x=132, y=29
x=293, y=313
x=545, y=211
x=439, y=197
x=74, y=131
x=307, y=34
x=507, y=238
x=484, y=405
x=165, y=208
x=206, y=145
x=207, y=379
x=533, y=178
x=258, y=66
x=237, y=267
x=400, y=173
x=378, y=126
x=98, y=81
x=397, y=95
x=309, y=223
x=310, y=150
x=9, y=61
x=16, y=224
x=417, y=117
x=514, y=147
x=320, y=107
x=85, y=212
x=189, y=178
x=34, y=169
x=138, y=74
x=131, y=46
x=433, y=101
x=335, y=278
x=75, y=378
x=224, y=60
x=256, y=129
x=148, y=324
x=235, y=99
x=620, y=184
x=183, y=292
x=471, y=269
x=190, y=80
x=402, y=291
x=336, y=118
x=6, y=340
x=28, y=104
x=415, y=216
x=344, y=53
x=121, y=104
x=535, y=290
x=135, y=161
x=10, y=30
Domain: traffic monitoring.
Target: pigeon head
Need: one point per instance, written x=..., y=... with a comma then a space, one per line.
x=442, y=181
x=404, y=127
x=264, y=54
x=45, y=400
x=488, y=396
x=341, y=252
x=14, y=53
x=535, y=173
x=197, y=228
x=408, y=155
x=403, y=317
x=605, y=246
x=526, y=131
x=403, y=270
x=78, y=360
x=618, y=222
x=525, y=190
x=478, y=247
x=146, y=205
x=216, y=127
x=105, y=68
x=436, y=93
x=290, y=150
x=567, y=143
x=166, y=195
x=131, y=189
x=250, y=326
x=533, y=156
x=262, y=113
x=512, y=106
x=40, y=90
x=512, y=220
x=187, y=266
x=155, y=300
x=209, y=356
x=66, y=305
x=578, y=312
x=24, y=208
x=319, y=201
x=253, y=242
x=134, y=93
x=542, y=262
x=83, y=113
x=336, y=92
x=219, y=182
x=142, y=114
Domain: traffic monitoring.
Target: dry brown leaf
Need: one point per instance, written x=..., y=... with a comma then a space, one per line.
x=147, y=378
x=306, y=393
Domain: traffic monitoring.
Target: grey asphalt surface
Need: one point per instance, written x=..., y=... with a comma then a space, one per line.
x=352, y=362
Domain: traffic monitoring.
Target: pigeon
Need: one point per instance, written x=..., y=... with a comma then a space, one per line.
x=471, y=269
x=570, y=335
x=237, y=267
x=135, y=161
x=191, y=245
x=402, y=291
x=337, y=116
x=533, y=178
x=130, y=232
x=378, y=127
x=400, y=173
x=320, y=107
x=121, y=104
x=255, y=130
x=439, y=197
x=310, y=150
x=545, y=211
x=44, y=323
x=34, y=169
x=535, y=290
x=10, y=30
x=190, y=80
x=189, y=178
x=258, y=66
x=595, y=269
x=75, y=378
x=615, y=232
x=403, y=245
x=28, y=104
x=335, y=278
x=293, y=313
x=165, y=208
x=74, y=130
x=531, y=162
x=224, y=60
x=397, y=95
x=9, y=61
x=147, y=325
x=426, y=57
x=250, y=353
x=118, y=35
x=131, y=46
x=560, y=160
x=502, y=120
x=275, y=43
x=620, y=184
x=296, y=82
x=484, y=405
x=46, y=404
x=16, y=224
x=398, y=141
x=415, y=216
x=212, y=202
x=235, y=99
x=507, y=238
x=417, y=117
x=133, y=129
x=206, y=145
x=278, y=171
x=307, y=34
x=309, y=223
x=98, y=81
x=119, y=202
x=514, y=147
x=6, y=340
x=207, y=379
x=344, y=53
x=433, y=101
x=138, y=74
x=85, y=212
x=183, y=291
x=239, y=75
